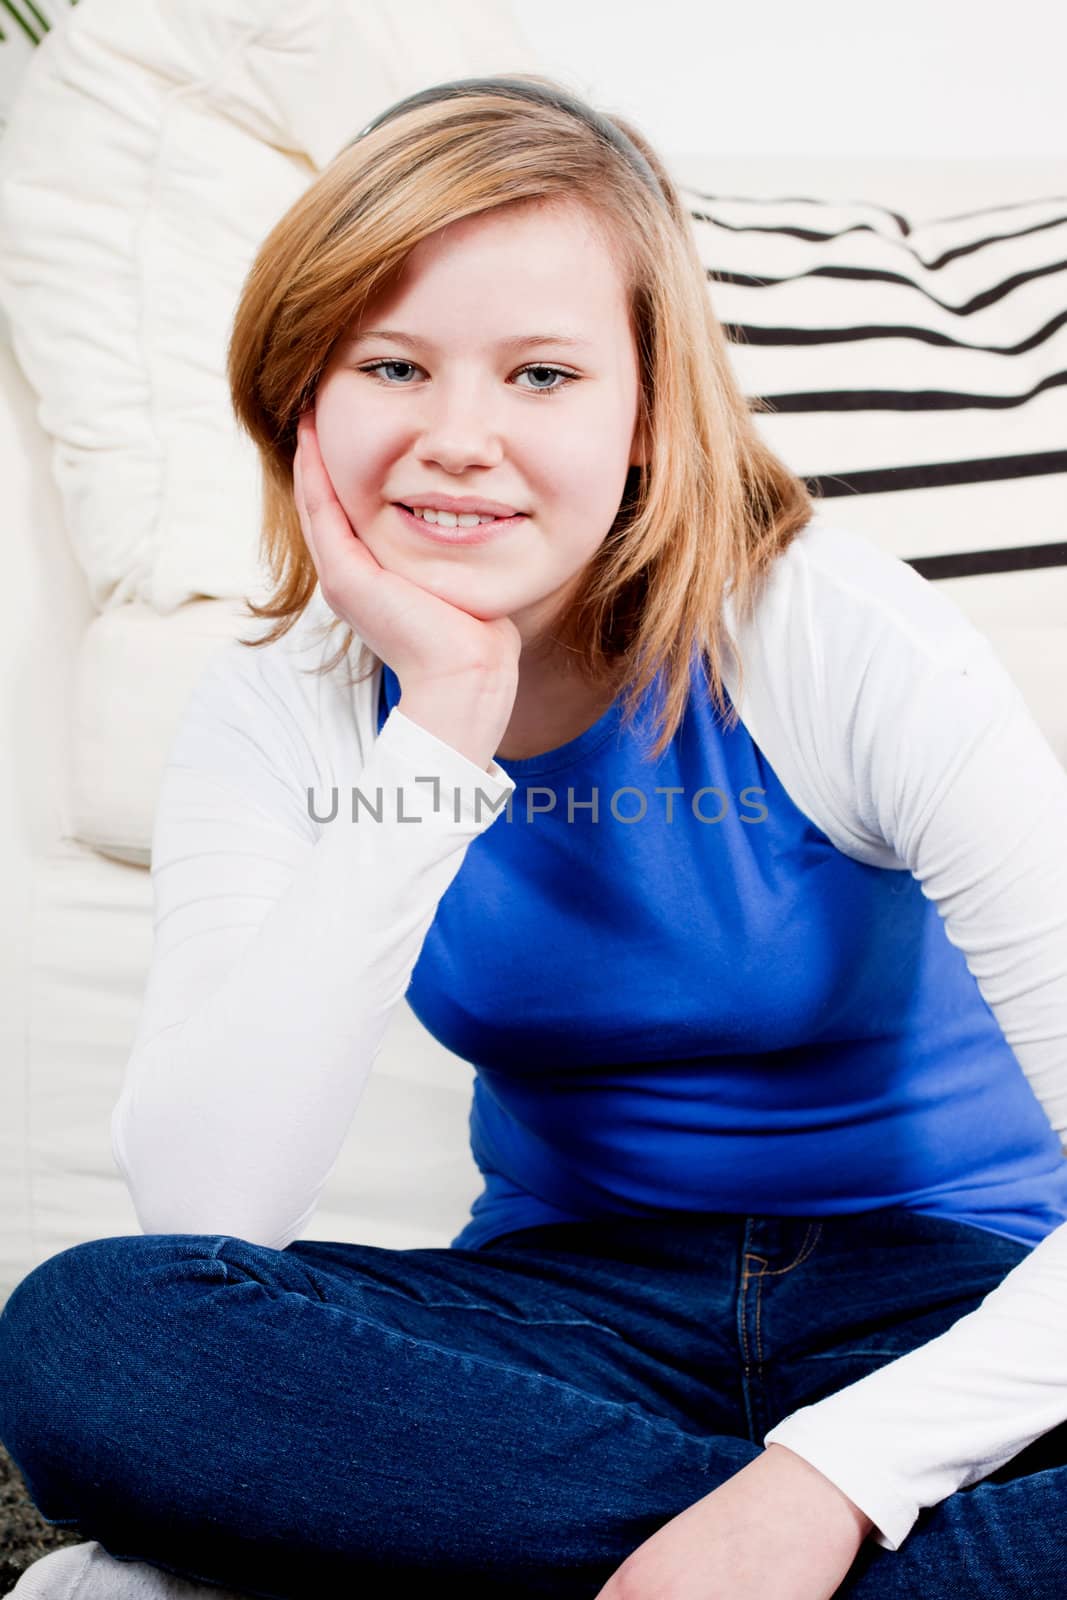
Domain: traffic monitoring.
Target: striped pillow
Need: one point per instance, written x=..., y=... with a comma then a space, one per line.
x=916, y=377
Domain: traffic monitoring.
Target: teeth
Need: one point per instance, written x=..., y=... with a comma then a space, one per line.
x=448, y=519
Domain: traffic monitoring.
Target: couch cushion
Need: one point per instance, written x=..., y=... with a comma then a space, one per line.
x=135, y=671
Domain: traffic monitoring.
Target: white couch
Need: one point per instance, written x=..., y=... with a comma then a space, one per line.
x=130, y=535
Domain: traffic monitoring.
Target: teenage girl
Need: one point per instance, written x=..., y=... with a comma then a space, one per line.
x=720, y=844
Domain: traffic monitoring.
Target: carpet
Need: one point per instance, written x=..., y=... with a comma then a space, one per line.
x=24, y=1534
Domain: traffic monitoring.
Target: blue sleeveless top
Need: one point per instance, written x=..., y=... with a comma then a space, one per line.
x=678, y=995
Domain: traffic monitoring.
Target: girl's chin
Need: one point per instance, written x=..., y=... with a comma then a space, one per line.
x=479, y=594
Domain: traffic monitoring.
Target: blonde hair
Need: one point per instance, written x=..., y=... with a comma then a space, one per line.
x=714, y=506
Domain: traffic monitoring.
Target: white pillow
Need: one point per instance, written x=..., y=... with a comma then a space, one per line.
x=21, y=30
x=914, y=369
x=150, y=149
x=135, y=673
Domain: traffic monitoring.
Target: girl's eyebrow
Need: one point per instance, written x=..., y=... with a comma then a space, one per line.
x=520, y=341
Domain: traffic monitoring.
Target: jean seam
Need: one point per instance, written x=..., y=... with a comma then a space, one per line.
x=811, y=1239
x=491, y=1311
x=750, y=1370
x=531, y=1322
x=753, y=1372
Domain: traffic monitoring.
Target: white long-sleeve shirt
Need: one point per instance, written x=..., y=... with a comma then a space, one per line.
x=283, y=943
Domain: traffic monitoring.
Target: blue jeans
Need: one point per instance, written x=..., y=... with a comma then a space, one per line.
x=516, y=1418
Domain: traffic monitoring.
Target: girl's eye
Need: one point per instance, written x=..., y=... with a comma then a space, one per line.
x=568, y=377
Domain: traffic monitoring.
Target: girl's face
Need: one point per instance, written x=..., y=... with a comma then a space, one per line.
x=484, y=395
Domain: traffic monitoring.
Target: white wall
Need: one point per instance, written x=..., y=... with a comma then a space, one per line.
x=951, y=79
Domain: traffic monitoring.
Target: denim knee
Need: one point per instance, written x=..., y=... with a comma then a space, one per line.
x=64, y=1329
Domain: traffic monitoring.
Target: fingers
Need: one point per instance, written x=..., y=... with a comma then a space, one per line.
x=308, y=460
x=337, y=551
x=299, y=497
x=309, y=471
x=306, y=526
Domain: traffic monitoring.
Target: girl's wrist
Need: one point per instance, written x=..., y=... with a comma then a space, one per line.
x=798, y=1469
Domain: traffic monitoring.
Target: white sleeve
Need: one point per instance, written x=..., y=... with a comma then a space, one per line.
x=280, y=946
x=948, y=766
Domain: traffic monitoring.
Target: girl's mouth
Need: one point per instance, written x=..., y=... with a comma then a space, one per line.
x=481, y=533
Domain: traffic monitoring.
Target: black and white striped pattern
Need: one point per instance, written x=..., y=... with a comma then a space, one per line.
x=917, y=375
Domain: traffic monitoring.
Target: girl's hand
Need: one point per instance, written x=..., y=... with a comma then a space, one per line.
x=776, y=1530
x=423, y=638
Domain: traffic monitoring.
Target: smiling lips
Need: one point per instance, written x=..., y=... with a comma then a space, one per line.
x=459, y=505
x=468, y=528
x=463, y=519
